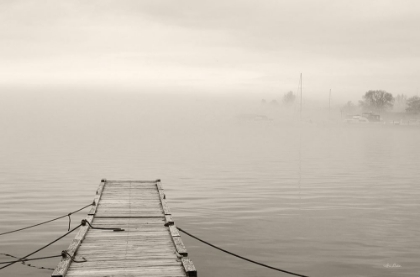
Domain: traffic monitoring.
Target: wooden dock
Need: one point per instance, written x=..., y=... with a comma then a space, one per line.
x=150, y=244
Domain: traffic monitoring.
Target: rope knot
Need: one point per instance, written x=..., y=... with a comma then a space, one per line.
x=64, y=254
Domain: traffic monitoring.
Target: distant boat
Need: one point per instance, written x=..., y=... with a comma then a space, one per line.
x=364, y=118
x=372, y=117
x=356, y=119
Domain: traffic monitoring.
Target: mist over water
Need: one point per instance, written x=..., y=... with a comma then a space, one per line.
x=317, y=196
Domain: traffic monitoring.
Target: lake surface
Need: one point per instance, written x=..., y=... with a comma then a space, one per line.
x=316, y=197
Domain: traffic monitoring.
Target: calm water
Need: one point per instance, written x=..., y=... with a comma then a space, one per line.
x=320, y=198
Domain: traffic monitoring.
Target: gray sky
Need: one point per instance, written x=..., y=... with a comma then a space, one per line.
x=213, y=46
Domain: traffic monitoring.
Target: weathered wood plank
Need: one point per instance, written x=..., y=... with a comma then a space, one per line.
x=168, y=220
x=174, y=231
x=122, y=255
x=162, y=193
x=129, y=207
x=162, y=196
x=127, y=210
x=122, y=215
x=189, y=267
x=135, y=203
x=143, y=271
x=133, y=221
x=115, y=263
x=132, y=181
x=165, y=207
x=134, y=199
x=150, y=189
x=97, y=198
x=180, y=247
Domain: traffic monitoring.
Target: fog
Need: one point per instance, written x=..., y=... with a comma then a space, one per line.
x=212, y=47
x=80, y=112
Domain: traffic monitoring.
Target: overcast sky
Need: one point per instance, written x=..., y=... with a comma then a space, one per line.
x=212, y=46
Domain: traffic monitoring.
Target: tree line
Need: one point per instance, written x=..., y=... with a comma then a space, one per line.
x=381, y=101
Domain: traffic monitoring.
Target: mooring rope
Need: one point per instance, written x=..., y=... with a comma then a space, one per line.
x=26, y=260
x=238, y=256
x=69, y=222
x=115, y=229
x=48, y=221
x=33, y=259
x=36, y=251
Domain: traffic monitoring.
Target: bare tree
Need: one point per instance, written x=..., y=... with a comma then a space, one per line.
x=377, y=100
x=413, y=105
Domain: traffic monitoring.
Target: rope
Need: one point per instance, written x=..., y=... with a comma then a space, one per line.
x=69, y=222
x=36, y=251
x=240, y=257
x=26, y=260
x=48, y=221
x=64, y=254
x=99, y=228
x=23, y=261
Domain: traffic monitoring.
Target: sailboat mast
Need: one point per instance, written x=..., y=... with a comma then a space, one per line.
x=329, y=103
x=300, y=84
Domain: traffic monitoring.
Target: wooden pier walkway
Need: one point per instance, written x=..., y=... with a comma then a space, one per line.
x=150, y=244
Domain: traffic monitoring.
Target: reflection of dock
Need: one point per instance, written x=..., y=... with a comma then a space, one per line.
x=149, y=244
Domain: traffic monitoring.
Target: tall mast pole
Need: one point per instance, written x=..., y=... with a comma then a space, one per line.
x=300, y=83
x=329, y=103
